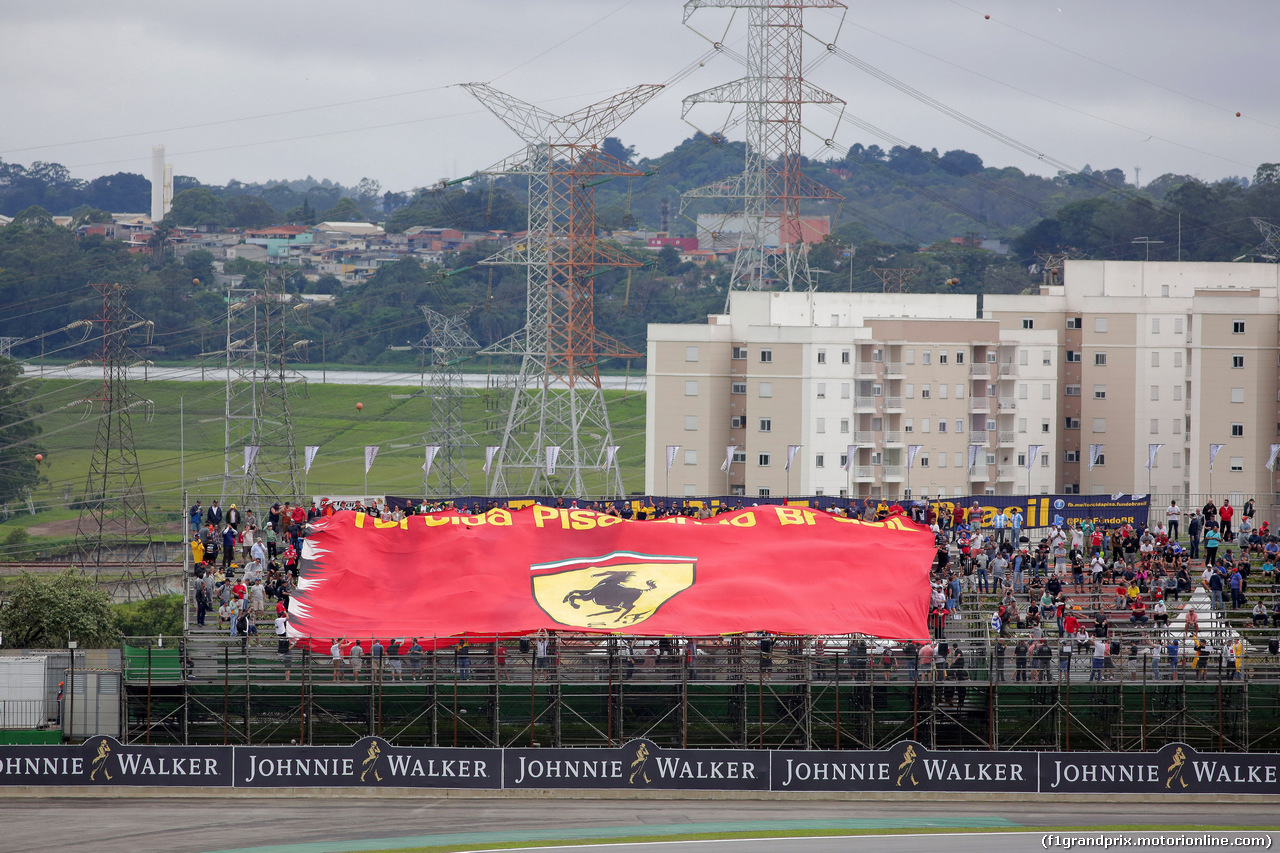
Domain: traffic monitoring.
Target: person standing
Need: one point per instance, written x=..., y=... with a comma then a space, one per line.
x=214, y=515
x=1225, y=514
x=1194, y=527
x=282, y=645
x=335, y=651
x=233, y=518
x=1172, y=516
x=194, y=516
x=1015, y=525
x=999, y=522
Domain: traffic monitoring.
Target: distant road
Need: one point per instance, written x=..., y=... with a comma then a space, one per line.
x=329, y=377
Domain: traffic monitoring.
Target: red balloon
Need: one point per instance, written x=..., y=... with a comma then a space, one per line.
x=1237, y=115
x=39, y=457
x=988, y=17
x=359, y=407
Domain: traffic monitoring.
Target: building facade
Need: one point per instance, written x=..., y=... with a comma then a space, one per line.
x=1000, y=395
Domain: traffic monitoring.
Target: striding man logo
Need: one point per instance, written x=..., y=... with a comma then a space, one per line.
x=370, y=763
x=907, y=769
x=1176, y=766
x=617, y=590
x=638, y=764
x=100, y=761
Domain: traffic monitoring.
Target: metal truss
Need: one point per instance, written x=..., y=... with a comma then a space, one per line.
x=772, y=246
x=557, y=401
x=114, y=525
x=447, y=345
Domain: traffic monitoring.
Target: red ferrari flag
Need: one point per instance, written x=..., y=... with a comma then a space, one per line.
x=789, y=570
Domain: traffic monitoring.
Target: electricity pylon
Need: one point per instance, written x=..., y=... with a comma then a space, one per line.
x=447, y=345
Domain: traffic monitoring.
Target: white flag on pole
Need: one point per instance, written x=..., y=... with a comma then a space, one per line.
x=1213, y=454
x=370, y=454
x=553, y=454
x=488, y=457
x=728, y=456
x=1152, y=450
x=672, y=449
x=1033, y=450
x=1271, y=461
x=610, y=455
x=250, y=455
x=850, y=452
x=973, y=455
x=309, y=456
x=792, y=449
x=432, y=451
x=912, y=450
x=1095, y=453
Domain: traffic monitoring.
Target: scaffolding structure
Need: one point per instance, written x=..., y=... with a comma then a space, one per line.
x=114, y=526
x=557, y=438
x=773, y=238
x=260, y=465
x=447, y=345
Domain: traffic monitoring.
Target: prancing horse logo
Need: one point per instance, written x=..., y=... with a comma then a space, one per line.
x=615, y=590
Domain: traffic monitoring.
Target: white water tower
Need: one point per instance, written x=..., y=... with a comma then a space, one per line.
x=161, y=184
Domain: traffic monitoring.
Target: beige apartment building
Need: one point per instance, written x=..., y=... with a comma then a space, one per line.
x=1003, y=395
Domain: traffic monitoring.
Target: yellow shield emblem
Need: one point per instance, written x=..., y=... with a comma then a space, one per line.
x=614, y=591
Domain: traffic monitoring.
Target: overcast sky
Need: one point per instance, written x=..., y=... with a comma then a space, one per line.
x=269, y=90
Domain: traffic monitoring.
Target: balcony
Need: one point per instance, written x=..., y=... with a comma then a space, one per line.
x=1008, y=369
x=893, y=437
x=893, y=404
x=979, y=436
x=979, y=473
x=894, y=472
x=866, y=368
x=1005, y=473
x=979, y=370
x=864, y=404
x=893, y=369
x=1007, y=438
x=864, y=473
x=1007, y=404
x=979, y=405
x=865, y=438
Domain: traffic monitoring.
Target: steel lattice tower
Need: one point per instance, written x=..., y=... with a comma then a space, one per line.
x=113, y=524
x=772, y=245
x=557, y=401
x=447, y=345
x=257, y=402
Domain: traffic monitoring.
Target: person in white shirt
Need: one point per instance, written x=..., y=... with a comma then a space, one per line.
x=1172, y=515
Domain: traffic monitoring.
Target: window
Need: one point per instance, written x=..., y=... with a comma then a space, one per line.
x=1237, y=327
x=1155, y=426
x=1177, y=392
x=942, y=390
x=1073, y=356
x=909, y=390
x=959, y=358
x=942, y=460
x=924, y=392
x=1177, y=325
x=908, y=425
x=819, y=460
x=877, y=355
x=877, y=390
x=926, y=357
x=737, y=421
x=691, y=457
x=844, y=459
x=766, y=424
x=1099, y=424
x=822, y=356
x=1155, y=392
x=690, y=353
x=1044, y=460
x=690, y=422
x=877, y=424
x=822, y=390
x=1155, y=325
x=1155, y=359
x=844, y=356
x=1100, y=359
x=820, y=424
x=959, y=426
x=844, y=425
x=691, y=388
x=1044, y=425
x=764, y=493
x=991, y=358
x=911, y=356
x=1022, y=357
x=738, y=388
x=1073, y=390
x=763, y=460
x=1177, y=426
x=1237, y=463
x=1022, y=390
x=958, y=460
x=845, y=390
x=923, y=460
x=1028, y=323
x=991, y=459
x=959, y=392
x=1046, y=392
x=1100, y=324
x=875, y=459
x=1071, y=456
x=1237, y=430
x=1237, y=395
x=766, y=389
x=1237, y=361
x=1046, y=357
x=766, y=356
x=1068, y=489
x=740, y=456
x=1022, y=460
x=1102, y=459
x=1177, y=460
x=739, y=353
x=1022, y=424
x=942, y=358
x=942, y=425
x=1177, y=358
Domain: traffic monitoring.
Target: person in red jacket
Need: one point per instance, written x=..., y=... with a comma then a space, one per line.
x=1225, y=513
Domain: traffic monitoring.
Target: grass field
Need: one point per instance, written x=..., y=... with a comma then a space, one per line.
x=325, y=415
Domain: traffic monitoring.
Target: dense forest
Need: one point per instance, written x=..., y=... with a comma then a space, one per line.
x=904, y=207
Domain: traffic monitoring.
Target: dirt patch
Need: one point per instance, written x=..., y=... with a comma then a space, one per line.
x=65, y=527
